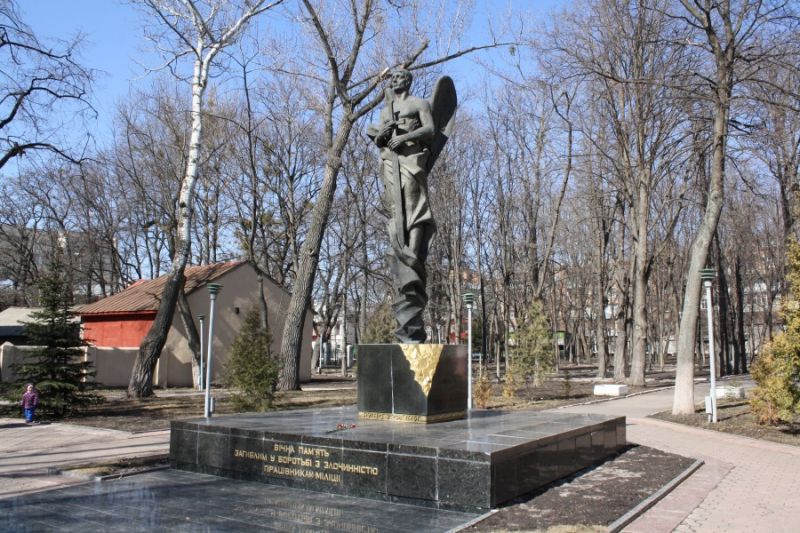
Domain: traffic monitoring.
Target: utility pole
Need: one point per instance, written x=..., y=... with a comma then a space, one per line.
x=201, y=379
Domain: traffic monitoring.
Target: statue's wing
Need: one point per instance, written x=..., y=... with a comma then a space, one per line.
x=443, y=109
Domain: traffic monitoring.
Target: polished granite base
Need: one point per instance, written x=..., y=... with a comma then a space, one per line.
x=421, y=383
x=172, y=500
x=471, y=465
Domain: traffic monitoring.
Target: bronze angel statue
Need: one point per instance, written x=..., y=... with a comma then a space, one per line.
x=411, y=135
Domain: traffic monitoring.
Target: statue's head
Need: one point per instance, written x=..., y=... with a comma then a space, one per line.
x=401, y=79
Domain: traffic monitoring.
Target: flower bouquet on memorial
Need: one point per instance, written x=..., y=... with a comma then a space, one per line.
x=342, y=427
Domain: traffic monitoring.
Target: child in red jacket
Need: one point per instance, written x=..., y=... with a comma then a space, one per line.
x=29, y=402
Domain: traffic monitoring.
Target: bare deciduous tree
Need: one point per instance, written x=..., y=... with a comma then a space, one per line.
x=198, y=30
x=39, y=82
x=739, y=39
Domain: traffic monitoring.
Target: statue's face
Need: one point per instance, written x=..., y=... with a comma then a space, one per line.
x=401, y=80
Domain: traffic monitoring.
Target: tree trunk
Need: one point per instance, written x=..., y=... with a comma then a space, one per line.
x=600, y=329
x=292, y=341
x=191, y=334
x=621, y=321
x=739, y=354
x=683, y=403
x=344, y=331
x=263, y=309
x=141, y=383
x=723, y=302
x=639, y=340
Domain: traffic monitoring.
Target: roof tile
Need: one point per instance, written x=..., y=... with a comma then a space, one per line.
x=145, y=295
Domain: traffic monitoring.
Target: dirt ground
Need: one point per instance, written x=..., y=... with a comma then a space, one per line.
x=121, y=467
x=734, y=417
x=155, y=413
x=574, y=384
x=593, y=499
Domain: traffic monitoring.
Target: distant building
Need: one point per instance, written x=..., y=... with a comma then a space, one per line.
x=15, y=346
x=120, y=322
x=12, y=324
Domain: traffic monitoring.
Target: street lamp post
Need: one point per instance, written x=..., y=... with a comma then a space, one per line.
x=469, y=301
x=213, y=290
x=202, y=319
x=707, y=275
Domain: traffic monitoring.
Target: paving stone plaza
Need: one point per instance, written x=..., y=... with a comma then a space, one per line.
x=743, y=485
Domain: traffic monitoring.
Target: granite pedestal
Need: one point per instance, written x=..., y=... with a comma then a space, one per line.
x=422, y=383
x=472, y=464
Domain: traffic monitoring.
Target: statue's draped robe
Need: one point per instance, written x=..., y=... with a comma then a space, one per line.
x=407, y=265
x=405, y=171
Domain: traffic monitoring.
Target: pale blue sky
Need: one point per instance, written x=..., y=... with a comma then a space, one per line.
x=114, y=42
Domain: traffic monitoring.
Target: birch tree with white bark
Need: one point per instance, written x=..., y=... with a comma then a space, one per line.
x=198, y=30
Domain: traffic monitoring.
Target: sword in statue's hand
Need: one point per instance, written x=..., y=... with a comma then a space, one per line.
x=397, y=186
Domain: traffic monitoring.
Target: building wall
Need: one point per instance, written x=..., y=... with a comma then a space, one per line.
x=119, y=336
x=123, y=330
x=237, y=297
x=9, y=356
x=112, y=365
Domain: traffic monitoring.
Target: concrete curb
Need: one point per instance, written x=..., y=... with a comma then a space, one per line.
x=649, y=502
x=472, y=522
x=615, y=398
x=110, y=477
x=71, y=471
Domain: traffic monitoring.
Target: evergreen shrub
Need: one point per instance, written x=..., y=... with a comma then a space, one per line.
x=776, y=372
x=56, y=365
x=380, y=326
x=251, y=368
x=532, y=352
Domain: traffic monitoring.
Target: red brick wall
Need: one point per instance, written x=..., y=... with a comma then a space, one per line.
x=113, y=331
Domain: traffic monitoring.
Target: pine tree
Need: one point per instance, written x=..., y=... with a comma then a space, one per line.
x=251, y=368
x=532, y=352
x=56, y=366
x=380, y=326
x=777, y=369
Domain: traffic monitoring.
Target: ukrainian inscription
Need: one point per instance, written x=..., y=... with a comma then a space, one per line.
x=419, y=419
x=303, y=462
x=310, y=515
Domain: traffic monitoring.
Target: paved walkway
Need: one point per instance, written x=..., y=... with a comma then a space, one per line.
x=28, y=454
x=745, y=485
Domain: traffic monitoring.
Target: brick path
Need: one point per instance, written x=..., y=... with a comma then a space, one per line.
x=745, y=485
